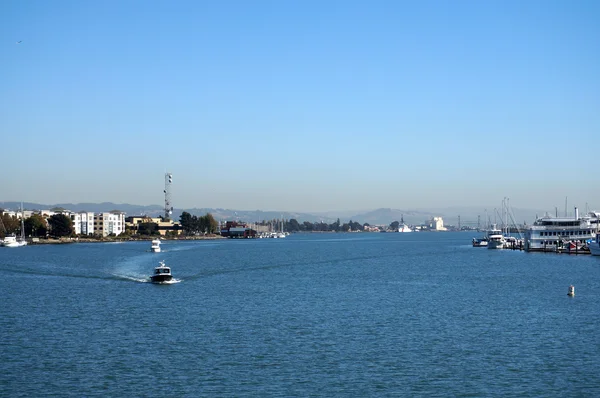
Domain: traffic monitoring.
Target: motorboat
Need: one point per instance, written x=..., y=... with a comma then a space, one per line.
x=495, y=238
x=162, y=273
x=480, y=242
x=155, y=248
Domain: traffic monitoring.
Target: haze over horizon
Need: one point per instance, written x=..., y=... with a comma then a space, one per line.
x=301, y=106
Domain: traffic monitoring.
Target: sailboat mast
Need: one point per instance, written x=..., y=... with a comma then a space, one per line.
x=22, y=222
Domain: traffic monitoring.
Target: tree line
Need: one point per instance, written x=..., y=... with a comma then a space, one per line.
x=37, y=226
x=293, y=225
x=193, y=225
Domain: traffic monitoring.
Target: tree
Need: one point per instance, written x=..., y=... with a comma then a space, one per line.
x=207, y=224
x=213, y=225
x=186, y=221
x=148, y=228
x=61, y=225
x=292, y=225
x=36, y=225
x=11, y=225
x=394, y=225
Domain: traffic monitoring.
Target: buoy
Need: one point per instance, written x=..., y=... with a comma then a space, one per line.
x=571, y=291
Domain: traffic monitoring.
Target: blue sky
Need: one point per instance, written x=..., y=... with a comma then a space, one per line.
x=301, y=105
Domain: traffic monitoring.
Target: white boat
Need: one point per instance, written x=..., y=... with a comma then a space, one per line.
x=480, y=242
x=14, y=241
x=495, y=238
x=549, y=233
x=155, y=248
x=11, y=241
x=162, y=273
x=594, y=246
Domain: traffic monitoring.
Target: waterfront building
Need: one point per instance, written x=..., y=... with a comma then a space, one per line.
x=437, y=224
x=83, y=223
x=164, y=226
x=109, y=223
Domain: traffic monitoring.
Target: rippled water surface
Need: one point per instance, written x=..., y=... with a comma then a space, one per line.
x=310, y=315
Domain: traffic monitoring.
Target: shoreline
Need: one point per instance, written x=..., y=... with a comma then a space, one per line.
x=58, y=241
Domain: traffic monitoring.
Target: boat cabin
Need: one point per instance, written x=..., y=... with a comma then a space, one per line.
x=162, y=270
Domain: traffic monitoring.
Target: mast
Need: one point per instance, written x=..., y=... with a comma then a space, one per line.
x=22, y=222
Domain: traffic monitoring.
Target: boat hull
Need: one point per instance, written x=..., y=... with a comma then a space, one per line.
x=495, y=244
x=161, y=278
x=594, y=249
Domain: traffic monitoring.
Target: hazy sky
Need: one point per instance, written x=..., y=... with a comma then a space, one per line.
x=301, y=105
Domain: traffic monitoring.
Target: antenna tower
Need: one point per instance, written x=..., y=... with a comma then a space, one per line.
x=167, y=191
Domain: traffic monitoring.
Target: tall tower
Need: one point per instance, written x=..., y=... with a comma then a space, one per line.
x=168, y=203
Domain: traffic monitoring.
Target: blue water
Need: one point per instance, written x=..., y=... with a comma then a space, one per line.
x=421, y=314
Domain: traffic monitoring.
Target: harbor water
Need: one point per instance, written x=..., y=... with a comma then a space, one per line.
x=361, y=314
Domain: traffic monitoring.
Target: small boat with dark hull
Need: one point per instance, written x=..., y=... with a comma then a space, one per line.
x=162, y=274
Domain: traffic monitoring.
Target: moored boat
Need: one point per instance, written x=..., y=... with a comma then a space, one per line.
x=594, y=245
x=480, y=242
x=550, y=233
x=162, y=274
x=495, y=238
x=11, y=241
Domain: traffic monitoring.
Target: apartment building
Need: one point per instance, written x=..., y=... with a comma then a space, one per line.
x=83, y=223
x=109, y=223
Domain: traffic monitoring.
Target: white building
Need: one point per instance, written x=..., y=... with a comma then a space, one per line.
x=109, y=223
x=437, y=224
x=83, y=223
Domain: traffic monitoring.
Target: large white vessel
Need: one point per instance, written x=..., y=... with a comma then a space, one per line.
x=403, y=227
x=551, y=233
x=495, y=238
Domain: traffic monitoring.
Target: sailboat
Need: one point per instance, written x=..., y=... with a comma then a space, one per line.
x=14, y=241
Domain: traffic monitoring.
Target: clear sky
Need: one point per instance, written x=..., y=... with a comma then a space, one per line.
x=301, y=105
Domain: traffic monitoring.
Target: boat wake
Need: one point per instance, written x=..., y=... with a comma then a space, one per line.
x=131, y=278
x=145, y=279
x=171, y=282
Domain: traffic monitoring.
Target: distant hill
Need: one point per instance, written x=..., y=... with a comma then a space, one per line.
x=156, y=210
x=382, y=216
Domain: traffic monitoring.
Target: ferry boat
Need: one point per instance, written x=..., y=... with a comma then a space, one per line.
x=495, y=238
x=162, y=273
x=155, y=248
x=550, y=233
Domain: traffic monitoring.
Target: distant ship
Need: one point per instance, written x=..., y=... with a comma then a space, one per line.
x=403, y=227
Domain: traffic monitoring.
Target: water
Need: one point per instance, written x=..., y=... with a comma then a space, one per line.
x=419, y=314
